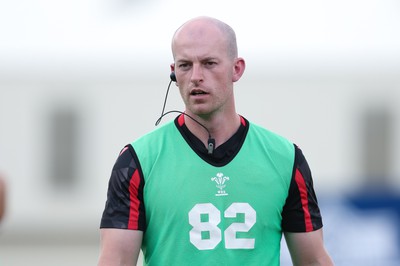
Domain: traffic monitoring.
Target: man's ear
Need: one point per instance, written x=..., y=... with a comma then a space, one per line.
x=238, y=69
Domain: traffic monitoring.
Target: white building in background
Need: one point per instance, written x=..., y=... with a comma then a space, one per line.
x=77, y=82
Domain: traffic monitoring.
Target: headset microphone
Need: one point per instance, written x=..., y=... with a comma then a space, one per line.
x=172, y=76
x=210, y=142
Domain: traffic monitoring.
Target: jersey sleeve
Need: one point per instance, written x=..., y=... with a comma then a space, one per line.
x=124, y=208
x=301, y=212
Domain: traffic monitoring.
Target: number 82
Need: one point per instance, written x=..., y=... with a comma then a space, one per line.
x=211, y=226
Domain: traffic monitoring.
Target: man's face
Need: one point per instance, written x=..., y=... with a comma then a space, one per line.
x=203, y=69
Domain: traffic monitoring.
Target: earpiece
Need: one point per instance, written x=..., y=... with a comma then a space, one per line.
x=172, y=76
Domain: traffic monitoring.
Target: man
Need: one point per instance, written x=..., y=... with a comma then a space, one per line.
x=210, y=188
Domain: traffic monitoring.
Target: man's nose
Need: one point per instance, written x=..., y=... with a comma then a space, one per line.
x=197, y=74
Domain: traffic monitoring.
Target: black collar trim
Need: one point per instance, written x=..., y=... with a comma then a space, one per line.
x=224, y=153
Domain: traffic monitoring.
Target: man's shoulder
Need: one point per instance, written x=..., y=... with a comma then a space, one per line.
x=156, y=132
x=266, y=133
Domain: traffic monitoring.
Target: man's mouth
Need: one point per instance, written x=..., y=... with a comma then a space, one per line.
x=197, y=92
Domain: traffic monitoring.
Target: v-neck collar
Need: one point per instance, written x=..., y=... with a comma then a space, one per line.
x=224, y=153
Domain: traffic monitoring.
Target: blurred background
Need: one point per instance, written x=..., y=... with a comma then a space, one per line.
x=80, y=79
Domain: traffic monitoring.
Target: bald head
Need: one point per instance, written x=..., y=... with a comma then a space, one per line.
x=201, y=27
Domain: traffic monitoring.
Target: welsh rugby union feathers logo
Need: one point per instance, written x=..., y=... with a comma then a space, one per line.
x=220, y=181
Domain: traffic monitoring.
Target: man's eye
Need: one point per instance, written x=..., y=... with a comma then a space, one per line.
x=210, y=63
x=184, y=66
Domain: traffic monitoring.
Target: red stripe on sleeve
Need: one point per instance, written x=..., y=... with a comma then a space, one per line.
x=133, y=222
x=304, y=200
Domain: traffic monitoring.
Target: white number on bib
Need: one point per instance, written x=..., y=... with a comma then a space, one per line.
x=205, y=218
x=210, y=226
x=231, y=241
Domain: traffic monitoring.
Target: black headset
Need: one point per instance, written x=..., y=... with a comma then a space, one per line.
x=172, y=76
